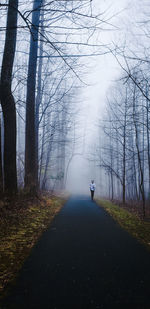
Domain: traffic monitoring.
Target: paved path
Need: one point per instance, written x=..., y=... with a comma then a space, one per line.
x=84, y=261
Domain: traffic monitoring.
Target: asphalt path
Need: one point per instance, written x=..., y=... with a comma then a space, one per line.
x=84, y=260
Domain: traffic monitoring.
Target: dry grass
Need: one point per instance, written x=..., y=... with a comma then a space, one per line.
x=22, y=223
x=134, y=224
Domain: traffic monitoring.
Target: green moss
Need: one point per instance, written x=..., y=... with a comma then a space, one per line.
x=129, y=221
x=20, y=230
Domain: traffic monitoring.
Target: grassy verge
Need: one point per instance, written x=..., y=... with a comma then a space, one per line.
x=21, y=227
x=132, y=223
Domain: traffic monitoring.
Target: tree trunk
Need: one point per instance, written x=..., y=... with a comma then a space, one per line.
x=38, y=100
x=1, y=169
x=49, y=149
x=31, y=169
x=141, y=184
x=135, y=182
x=148, y=137
x=124, y=153
x=7, y=100
x=42, y=151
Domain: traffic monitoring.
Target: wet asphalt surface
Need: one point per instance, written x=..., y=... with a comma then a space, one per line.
x=84, y=260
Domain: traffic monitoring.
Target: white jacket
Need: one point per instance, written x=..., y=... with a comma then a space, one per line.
x=92, y=186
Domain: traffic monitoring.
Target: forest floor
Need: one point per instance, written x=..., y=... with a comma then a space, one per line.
x=130, y=218
x=84, y=260
x=22, y=221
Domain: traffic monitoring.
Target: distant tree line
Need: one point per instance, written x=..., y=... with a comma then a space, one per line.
x=125, y=154
x=122, y=152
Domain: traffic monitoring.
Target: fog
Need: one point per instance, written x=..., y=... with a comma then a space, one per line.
x=74, y=108
x=79, y=93
x=104, y=71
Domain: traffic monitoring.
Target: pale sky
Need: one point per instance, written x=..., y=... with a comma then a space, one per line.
x=103, y=73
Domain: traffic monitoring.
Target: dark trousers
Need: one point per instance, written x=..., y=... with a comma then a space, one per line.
x=92, y=194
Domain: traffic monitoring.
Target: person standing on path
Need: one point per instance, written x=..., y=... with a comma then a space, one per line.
x=92, y=189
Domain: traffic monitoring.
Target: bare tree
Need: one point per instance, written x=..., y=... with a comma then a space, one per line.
x=1, y=169
x=31, y=171
x=7, y=100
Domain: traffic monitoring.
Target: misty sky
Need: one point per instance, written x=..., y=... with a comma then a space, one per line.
x=103, y=72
